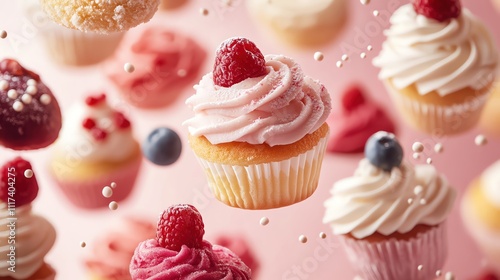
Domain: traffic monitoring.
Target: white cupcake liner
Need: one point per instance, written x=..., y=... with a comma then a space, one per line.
x=267, y=185
x=398, y=259
x=437, y=119
x=488, y=240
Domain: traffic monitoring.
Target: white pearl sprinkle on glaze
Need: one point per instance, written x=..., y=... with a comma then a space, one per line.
x=429, y=160
x=26, y=98
x=420, y=267
x=113, y=205
x=107, y=192
x=416, y=155
x=375, y=13
x=339, y=64
x=303, y=239
x=113, y=185
x=31, y=90
x=45, y=99
x=438, y=148
x=28, y=173
x=83, y=244
x=18, y=106
x=417, y=147
x=31, y=82
x=449, y=276
x=418, y=189
x=362, y=55
x=423, y=201
x=369, y=48
x=365, y=2
x=345, y=57
x=480, y=140
x=322, y=235
x=129, y=67
x=4, y=85
x=318, y=56
x=181, y=73
x=204, y=11
x=410, y=200
x=12, y=94
x=3, y=34
x=438, y=273
x=264, y=221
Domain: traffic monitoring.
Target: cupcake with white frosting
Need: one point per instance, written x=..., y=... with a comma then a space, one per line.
x=480, y=211
x=25, y=238
x=438, y=63
x=390, y=215
x=95, y=148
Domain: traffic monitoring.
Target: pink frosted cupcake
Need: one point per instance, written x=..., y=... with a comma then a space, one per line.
x=179, y=251
x=23, y=259
x=390, y=215
x=165, y=62
x=239, y=245
x=112, y=252
x=96, y=147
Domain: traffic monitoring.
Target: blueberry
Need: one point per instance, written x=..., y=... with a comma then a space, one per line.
x=162, y=146
x=384, y=151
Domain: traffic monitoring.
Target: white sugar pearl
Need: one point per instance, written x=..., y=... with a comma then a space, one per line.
x=417, y=147
x=107, y=192
x=420, y=267
x=365, y=2
x=26, y=98
x=449, y=276
x=83, y=244
x=438, y=148
x=318, y=56
x=3, y=34
x=264, y=221
x=18, y=106
x=31, y=90
x=4, y=85
x=322, y=235
x=12, y=94
x=423, y=201
x=28, y=173
x=480, y=140
x=376, y=13
x=181, y=73
x=418, y=189
x=345, y=57
x=362, y=55
x=113, y=205
x=31, y=82
x=438, y=273
x=369, y=48
x=429, y=161
x=410, y=200
x=113, y=185
x=45, y=99
x=204, y=11
x=339, y=64
x=129, y=67
x=416, y=155
x=303, y=239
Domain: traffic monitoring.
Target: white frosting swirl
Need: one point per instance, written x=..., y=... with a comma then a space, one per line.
x=76, y=140
x=278, y=108
x=34, y=237
x=377, y=201
x=490, y=182
x=437, y=56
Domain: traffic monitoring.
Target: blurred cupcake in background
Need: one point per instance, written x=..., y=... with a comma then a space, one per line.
x=171, y=4
x=390, y=215
x=67, y=46
x=490, y=117
x=96, y=147
x=112, y=251
x=34, y=235
x=480, y=211
x=165, y=63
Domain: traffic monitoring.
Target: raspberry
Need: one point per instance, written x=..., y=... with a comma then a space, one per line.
x=121, y=121
x=15, y=185
x=98, y=134
x=352, y=98
x=94, y=100
x=88, y=123
x=180, y=225
x=237, y=59
x=440, y=10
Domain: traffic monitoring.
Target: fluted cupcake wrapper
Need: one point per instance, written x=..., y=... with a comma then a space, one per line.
x=394, y=259
x=267, y=185
x=440, y=119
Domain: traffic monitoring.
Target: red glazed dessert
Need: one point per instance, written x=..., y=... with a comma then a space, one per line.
x=30, y=117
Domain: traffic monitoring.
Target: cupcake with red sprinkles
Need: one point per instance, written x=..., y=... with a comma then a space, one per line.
x=96, y=147
x=179, y=251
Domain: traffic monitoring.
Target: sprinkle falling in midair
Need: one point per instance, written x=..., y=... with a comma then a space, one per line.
x=303, y=239
x=113, y=205
x=28, y=173
x=129, y=67
x=480, y=140
x=417, y=147
x=264, y=221
x=318, y=56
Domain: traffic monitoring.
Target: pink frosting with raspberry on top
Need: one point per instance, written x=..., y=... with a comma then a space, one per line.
x=278, y=108
x=153, y=262
x=165, y=62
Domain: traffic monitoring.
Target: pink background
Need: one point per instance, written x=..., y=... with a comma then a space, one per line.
x=276, y=245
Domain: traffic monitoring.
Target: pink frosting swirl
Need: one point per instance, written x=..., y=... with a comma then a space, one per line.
x=165, y=62
x=112, y=253
x=279, y=108
x=153, y=262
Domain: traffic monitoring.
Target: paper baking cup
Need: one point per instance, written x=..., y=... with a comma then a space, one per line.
x=487, y=240
x=398, y=259
x=437, y=119
x=87, y=193
x=266, y=185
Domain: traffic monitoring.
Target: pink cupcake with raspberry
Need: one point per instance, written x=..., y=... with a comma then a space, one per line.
x=179, y=251
x=96, y=148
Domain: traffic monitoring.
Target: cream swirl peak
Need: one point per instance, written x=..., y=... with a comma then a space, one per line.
x=35, y=236
x=388, y=202
x=278, y=108
x=437, y=56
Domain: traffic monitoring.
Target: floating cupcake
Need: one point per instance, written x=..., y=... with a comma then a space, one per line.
x=96, y=147
x=22, y=254
x=259, y=127
x=390, y=216
x=438, y=63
